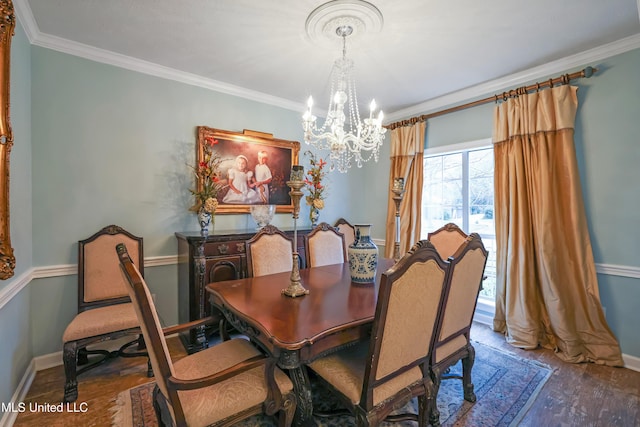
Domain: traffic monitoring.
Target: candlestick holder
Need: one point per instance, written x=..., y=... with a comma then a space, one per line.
x=398, y=193
x=295, y=288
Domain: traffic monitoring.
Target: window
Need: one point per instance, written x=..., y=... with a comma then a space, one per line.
x=458, y=188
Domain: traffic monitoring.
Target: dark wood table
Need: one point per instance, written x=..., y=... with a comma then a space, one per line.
x=335, y=314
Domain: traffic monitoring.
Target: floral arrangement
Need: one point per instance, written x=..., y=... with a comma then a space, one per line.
x=207, y=174
x=313, y=183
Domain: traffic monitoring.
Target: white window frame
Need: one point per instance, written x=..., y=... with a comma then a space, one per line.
x=485, y=309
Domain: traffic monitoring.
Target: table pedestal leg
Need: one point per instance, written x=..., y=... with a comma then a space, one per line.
x=302, y=390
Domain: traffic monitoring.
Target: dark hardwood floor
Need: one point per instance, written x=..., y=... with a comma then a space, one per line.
x=575, y=395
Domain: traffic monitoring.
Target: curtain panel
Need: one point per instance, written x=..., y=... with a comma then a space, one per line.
x=546, y=287
x=407, y=152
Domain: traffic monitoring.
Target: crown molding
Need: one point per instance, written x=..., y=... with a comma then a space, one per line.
x=122, y=61
x=518, y=79
x=26, y=19
x=37, y=38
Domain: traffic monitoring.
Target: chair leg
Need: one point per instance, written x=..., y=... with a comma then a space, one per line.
x=160, y=406
x=285, y=417
x=424, y=410
x=434, y=415
x=467, y=365
x=141, y=351
x=70, y=358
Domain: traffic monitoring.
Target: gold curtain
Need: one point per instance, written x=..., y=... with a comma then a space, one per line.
x=407, y=148
x=546, y=286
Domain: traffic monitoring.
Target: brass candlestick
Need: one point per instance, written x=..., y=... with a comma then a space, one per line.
x=296, y=183
x=398, y=192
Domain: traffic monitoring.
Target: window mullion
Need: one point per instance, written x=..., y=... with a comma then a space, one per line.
x=465, y=191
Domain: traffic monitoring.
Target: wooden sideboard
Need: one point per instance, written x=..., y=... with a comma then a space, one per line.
x=223, y=257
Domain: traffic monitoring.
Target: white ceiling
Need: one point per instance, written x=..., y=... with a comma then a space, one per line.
x=426, y=50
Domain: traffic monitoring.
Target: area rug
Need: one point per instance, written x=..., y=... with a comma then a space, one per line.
x=505, y=385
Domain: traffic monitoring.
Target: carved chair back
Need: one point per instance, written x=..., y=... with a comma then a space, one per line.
x=99, y=280
x=150, y=323
x=349, y=231
x=324, y=245
x=447, y=239
x=453, y=342
x=269, y=251
x=409, y=302
x=467, y=272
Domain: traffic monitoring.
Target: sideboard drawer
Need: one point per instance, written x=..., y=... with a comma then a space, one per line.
x=233, y=247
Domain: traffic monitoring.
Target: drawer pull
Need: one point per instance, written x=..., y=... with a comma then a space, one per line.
x=223, y=249
x=240, y=247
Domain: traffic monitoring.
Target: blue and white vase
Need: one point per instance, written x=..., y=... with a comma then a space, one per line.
x=314, y=215
x=204, y=218
x=363, y=255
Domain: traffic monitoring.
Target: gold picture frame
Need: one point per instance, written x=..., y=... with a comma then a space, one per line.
x=7, y=30
x=230, y=146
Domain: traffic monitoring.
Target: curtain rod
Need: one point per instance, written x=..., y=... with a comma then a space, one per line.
x=564, y=79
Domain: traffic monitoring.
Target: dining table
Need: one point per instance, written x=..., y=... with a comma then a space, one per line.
x=335, y=314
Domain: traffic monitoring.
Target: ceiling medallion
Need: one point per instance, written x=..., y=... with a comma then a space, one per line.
x=361, y=16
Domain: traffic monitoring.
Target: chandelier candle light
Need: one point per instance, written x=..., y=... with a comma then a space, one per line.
x=296, y=182
x=345, y=145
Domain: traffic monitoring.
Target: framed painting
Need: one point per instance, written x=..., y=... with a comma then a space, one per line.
x=253, y=168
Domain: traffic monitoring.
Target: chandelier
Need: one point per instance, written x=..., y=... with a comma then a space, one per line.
x=348, y=138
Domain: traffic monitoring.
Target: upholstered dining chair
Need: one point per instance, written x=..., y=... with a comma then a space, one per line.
x=218, y=386
x=375, y=377
x=105, y=311
x=453, y=342
x=349, y=231
x=324, y=245
x=447, y=239
x=269, y=251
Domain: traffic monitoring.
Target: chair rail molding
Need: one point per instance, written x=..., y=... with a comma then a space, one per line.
x=16, y=285
x=618, y=270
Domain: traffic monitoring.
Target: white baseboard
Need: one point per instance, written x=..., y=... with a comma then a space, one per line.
x=48, y=361
x=631, y=362
x=21, y=392
x=483, y=318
